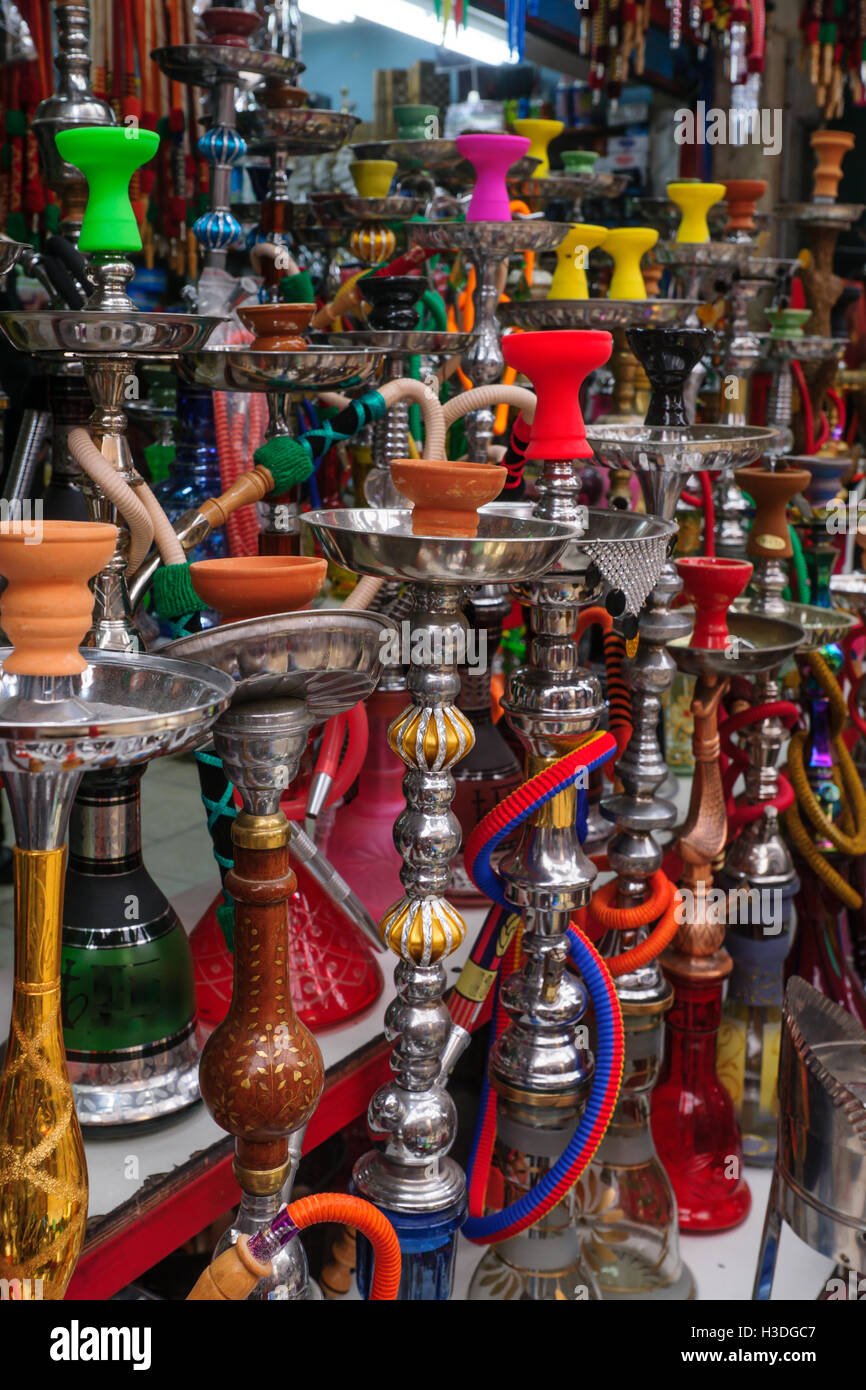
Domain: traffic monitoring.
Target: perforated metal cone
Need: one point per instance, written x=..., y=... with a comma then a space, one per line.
x=629, y=550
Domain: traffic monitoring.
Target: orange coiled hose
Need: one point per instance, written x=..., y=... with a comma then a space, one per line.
x=618, y=695
x=354, y=1211
x=663, y=899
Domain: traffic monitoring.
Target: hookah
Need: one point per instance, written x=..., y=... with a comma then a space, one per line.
x=820, y=221
x=439, y=548
x=393, y=329
x=538, y=1125
x=225, y=65
x=334, y=975
x=817, y=1177
x=281, y=126
x=261, y=1069
x=643, y=1260
x=486, y=239
x=742, y=350
x=61, y=716
x=758, y=863
x=130, y=1057
x=73, y=104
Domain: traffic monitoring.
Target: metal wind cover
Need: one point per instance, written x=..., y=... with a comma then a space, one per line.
x=822, y=1124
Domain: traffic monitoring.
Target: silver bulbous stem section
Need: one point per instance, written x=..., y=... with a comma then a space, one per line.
x=412, y=1119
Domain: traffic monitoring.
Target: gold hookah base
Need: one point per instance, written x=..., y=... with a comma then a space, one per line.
x=43, y=1174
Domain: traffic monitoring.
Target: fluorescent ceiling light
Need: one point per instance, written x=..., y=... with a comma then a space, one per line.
x=484, y=45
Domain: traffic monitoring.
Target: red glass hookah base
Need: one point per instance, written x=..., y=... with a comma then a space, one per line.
x=693, y=1121
x=333, y=972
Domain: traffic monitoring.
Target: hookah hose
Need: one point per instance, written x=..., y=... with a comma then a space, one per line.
x=854, y=812
x=234, y=1274
x=517, y=807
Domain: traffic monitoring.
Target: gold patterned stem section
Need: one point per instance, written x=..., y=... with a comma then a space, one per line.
x=422, y=927
x=43, y=1174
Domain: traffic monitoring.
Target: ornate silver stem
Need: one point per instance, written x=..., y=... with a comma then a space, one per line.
x=412, y=1116
x=73, y=104
x=483, y=362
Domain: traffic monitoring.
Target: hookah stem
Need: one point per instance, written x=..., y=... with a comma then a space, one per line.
x=738, y=815
x=534, y=1204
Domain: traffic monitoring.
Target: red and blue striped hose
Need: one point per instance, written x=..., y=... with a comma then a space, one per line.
x=517, y=807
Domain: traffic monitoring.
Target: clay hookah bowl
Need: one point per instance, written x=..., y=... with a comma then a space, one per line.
x=280, y=96
x=277, y=327
x=446, y=496
x=251, y=586
x=769, y=540
x=741, y=196
x=228, y=27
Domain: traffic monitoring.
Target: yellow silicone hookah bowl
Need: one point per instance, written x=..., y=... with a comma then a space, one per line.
x=539, y=134
x=694, y=201
x=627, y=245
x=569, y=278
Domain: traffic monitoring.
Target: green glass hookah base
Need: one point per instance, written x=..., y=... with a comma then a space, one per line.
x=140, y=996
x=108, y=156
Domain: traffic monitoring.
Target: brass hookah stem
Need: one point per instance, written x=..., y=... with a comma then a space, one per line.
x=43, y=1174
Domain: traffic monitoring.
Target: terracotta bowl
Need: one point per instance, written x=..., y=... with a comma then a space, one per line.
x=277, y=327
x=254, y=586
x=446, y=496
x=279, y=96
x=47, y=605
x=230, y=27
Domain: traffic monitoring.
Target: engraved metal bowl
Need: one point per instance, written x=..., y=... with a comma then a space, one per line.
x=703, y=255
x=242, y=369
x=424, y=342
x=327, y=658
x=348, y=208
x=758, y=643
x=204, y=64
x=568, y=187
x=820, y=214
x=300, y=129
x=379, y=541
x=489, y=240
x=103, y=334
x=821, y=626
x=123, y=709
x=809, y=348
x=596, y=313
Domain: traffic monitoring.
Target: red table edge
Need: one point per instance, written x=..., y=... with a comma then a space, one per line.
x=144, y=1230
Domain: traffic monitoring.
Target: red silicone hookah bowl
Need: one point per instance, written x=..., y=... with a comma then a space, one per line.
x=557, y=363
x=710, y=584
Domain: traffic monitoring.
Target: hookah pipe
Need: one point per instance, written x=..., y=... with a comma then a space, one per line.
x=233, y=1275
x=696, y=1142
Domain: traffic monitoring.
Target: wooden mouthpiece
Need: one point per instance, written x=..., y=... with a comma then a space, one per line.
x=231, y=1277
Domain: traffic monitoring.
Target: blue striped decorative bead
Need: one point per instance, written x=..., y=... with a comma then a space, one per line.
x=217, y=230
x=222, y=145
